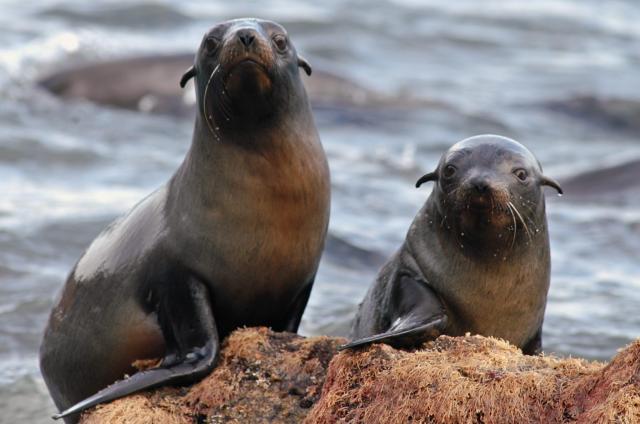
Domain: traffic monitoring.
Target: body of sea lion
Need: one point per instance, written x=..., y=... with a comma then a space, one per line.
x=233, y=239
x=140, y=83
x=476, y=257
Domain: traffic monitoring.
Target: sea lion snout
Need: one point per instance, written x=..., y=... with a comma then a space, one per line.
x=481, y=192
x=246, y=44
x=480, y=186
x=489, y=189
x=246, y=36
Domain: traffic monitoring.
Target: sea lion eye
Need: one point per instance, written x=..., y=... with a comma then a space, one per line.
x=449, y=171
x=521, y=174
x=281, y=42
x=211, y=44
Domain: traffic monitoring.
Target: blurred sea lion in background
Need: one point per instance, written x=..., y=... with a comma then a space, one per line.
x=140, y=83
x=233, y=239
x=615, y=184
x=476, y=257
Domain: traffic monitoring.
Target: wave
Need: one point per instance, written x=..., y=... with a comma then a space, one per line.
x=145, y=15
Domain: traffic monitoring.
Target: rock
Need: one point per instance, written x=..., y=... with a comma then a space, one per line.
x=279, y=377
x=477, y=380
x=261, y=377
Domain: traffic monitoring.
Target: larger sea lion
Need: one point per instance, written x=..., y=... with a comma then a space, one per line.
x=476, y=257
x=233, y=239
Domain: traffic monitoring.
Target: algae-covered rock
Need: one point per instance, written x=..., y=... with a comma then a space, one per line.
x=272, y=377
x=477, y=380
x=261, y=377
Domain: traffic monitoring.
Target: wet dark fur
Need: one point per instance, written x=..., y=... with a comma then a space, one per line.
x=233, y=239
x=479, y=259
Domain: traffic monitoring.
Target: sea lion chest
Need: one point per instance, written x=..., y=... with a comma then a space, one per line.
x=257, y=237
x=501, y=299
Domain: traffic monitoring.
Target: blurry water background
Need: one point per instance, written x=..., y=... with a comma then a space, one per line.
x=68, y=168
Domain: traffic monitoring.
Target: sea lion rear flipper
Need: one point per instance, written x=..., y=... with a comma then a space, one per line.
x=185, y=316
x=417, y=316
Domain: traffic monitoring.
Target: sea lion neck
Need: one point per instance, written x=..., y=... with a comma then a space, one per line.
x=267, y=136
x=222, y=167
x=233, y=115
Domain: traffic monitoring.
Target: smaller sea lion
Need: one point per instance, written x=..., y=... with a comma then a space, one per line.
x=476, y=257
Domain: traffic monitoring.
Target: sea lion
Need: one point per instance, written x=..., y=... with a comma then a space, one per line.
x=613, y=184
x=476, y=257
x=233, y=239
x=136, y=83
x=140, y=83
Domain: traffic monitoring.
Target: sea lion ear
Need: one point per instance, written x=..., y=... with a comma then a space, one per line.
x=551, y=183
x=302, y=63
x=431, y=176
x=191, y=72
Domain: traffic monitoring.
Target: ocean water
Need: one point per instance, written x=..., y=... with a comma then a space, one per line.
x=560, y=76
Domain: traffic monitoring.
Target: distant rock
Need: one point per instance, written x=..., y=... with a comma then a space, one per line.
x=267, y=377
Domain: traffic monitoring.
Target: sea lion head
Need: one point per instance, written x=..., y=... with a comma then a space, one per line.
x=489, y=193
x=246, y=73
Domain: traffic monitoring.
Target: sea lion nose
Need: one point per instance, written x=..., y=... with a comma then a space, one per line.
x=480, y=185
x=246, y=36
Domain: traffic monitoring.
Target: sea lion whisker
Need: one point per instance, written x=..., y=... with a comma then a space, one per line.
x=521, y=220
x=515, y=226
x=225, y=104
x=525, y=205
x=530, y=219
x=204, y=101
x=528, y=215
x=444, y=217
x=531, y=212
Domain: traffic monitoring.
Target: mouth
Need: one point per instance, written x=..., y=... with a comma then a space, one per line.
x=240, y=93
x=246, y=63
x=480, y=204
x=247, y=75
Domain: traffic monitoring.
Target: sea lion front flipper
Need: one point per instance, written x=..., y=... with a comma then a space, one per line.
x=297, y=308
x=534, y=346
x=187, y=322
x=417, y=316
